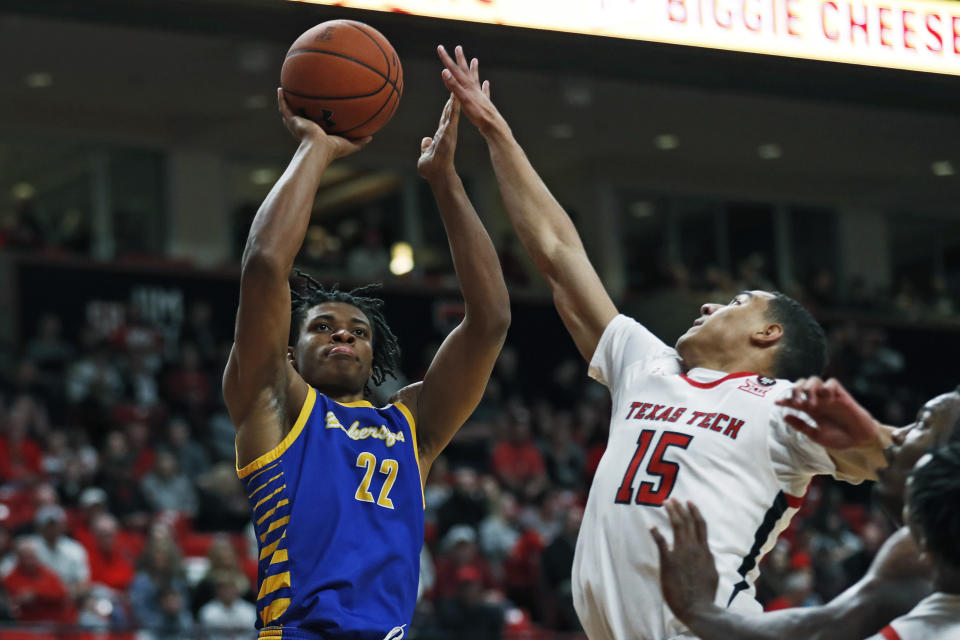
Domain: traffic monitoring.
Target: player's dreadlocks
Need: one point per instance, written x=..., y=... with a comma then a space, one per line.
x=306, y=293
x=934, y=495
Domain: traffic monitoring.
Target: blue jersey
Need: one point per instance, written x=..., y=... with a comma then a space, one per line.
x=338, y=513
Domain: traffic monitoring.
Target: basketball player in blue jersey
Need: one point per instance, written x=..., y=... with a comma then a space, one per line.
x=335, y=484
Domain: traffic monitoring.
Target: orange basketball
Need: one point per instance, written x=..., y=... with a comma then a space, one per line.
x=345, y=76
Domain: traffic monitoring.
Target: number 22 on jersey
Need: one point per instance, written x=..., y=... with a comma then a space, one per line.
x=657, y=466
x=388, y=467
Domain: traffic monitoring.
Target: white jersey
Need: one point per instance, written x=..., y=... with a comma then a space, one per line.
x=936, y=617
x=713, y=438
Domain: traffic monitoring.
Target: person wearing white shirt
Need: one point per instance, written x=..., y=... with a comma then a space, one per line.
x=65, y=556
x=228, y=616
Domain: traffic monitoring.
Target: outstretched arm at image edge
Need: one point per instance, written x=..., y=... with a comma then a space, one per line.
x=544, y=228
x=257, y=379
x=458, y=375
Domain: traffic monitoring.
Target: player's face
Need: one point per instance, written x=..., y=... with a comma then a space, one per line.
x=335, y=349
x=724, y=328
x=934, y=423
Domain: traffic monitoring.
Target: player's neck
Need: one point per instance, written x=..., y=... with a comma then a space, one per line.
x=946, y=579
x=727, y=364
x=345, y=398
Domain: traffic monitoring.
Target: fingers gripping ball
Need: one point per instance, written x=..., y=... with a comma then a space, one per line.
x=345, y=76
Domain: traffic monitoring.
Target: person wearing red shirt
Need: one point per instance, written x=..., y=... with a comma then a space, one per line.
x=36, y=593
x=517, y=461
x=20, y=455
x=110, y=563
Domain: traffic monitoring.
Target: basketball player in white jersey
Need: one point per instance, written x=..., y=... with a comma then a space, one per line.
x=898, y=579
x=698, y=421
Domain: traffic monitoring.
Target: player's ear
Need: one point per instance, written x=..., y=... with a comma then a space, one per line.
x=292, y=357
x=769, y=336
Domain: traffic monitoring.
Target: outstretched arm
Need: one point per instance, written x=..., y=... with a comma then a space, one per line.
x=854, y=439
x=542, y=225
x=458, y=374
x=262, y=391
x=689, y=581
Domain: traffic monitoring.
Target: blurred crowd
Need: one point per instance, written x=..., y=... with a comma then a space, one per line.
x=910, y=297
x=120, y=507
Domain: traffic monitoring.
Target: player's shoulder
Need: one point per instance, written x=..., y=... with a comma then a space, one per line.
x=408, y=397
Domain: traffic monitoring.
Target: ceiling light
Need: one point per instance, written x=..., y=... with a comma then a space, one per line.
x=39, y=80
x=769, y=151
x=942, y=168
x=255, y=101
x=23, y=191
x=263, y=176
x=254, y=58
x=666, y=141
x=401, y=258
x=561, y=131
x=577, y=94
x=641, y=209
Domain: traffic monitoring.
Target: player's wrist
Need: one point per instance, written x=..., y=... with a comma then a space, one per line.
x=441, y=177
x=494, y=128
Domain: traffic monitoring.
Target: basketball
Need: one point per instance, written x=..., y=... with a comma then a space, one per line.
x=345, y=76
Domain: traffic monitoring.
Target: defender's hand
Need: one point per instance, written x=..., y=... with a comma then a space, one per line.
x=305, y=130
x=688, y=575
x=841, y=422
x=436, y=153
x=463, y=80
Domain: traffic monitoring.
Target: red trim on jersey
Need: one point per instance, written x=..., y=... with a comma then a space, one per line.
x=793, y=501
x=889, y=633
x=711, y=385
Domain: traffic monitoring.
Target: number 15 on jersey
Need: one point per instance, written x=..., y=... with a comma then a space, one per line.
x=649, y=493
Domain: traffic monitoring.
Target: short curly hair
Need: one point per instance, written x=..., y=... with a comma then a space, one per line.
x=306, y=293
x=934, y=496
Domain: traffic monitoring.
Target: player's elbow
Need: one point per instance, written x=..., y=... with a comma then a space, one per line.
x=491, y=324
x=259, y=261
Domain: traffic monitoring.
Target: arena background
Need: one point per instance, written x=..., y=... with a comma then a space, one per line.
x=138, y=138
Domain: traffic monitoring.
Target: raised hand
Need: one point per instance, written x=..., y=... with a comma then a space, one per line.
x=463, y=80
x=841, y=423
x=688, y=575
x=303, y=129
x=436, y=153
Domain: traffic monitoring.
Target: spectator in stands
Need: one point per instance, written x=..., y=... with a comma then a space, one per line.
x=20, y=455
x=500, y=530
x=36, y=593
x=517, y=462
x=167, y=488
x=224, y=565
x=49, y=352
x=66, y=557
x=465, y=615
x=228, y=616
x=466, y=504
x=223, y=503
x=459, y=550
x=94, y=378
x=125, y=497
x=556, y=564
x=110, y=561
x=160, y=571
x=564, y=460
x=187, y=385
x=797, y=592
x=199, y=331
x=190, y=454
x=173, y=620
